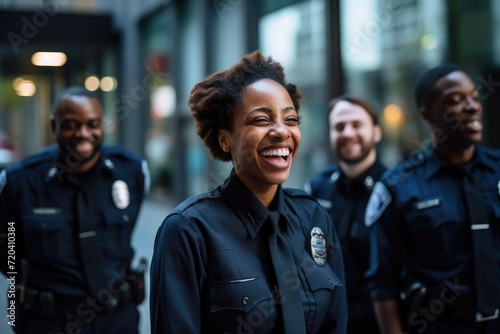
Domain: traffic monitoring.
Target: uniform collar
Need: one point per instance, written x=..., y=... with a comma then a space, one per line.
x=365, y=180
x=438, y=163
x=57, y=171
x=247, y=207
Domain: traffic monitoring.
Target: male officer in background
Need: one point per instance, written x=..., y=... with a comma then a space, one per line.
x=67, y=214
x=343, y=189
x=436, y=219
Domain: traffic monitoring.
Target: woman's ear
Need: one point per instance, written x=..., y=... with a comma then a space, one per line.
x=224, y=141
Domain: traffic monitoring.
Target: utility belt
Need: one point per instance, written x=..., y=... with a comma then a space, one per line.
x=48, y=304
x=420, y=303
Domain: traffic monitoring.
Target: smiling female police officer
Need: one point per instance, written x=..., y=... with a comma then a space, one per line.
x=220, y=263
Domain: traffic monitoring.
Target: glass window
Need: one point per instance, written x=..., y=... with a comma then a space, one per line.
x=157, y=44
x=295, y=36
x=385, y=45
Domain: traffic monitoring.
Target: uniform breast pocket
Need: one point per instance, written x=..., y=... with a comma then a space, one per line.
x=47, y=237
x=436, y=233
x=241, y=305
x=117, y=232
x=321, y=281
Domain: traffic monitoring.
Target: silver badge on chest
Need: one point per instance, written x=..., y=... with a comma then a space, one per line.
x=120, y=194
x=318, y=246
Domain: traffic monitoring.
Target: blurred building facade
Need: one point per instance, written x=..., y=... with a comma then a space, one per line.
x=144, y=56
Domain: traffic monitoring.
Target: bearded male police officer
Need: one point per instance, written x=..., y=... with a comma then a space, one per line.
x=343, y=189
x=436, y=220
x=71, y=210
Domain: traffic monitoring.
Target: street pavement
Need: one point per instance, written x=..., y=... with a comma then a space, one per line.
x=151, y=216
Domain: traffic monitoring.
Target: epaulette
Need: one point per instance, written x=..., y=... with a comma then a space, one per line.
x=326, y=173
x=120, y=152
x=403, y=169
x=294, y=192
x=33, y=160
x=195, y=199
x=492, y=153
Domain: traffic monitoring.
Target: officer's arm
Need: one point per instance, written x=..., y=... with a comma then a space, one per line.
x=387, y=250
x=5, y=218
x=387, y=313
x=177, y=277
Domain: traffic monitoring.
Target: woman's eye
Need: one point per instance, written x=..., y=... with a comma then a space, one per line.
x=292, y=121
x=260, y=120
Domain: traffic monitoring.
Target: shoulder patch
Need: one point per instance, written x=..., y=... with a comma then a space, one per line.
x=3, y=180
x=379, y=200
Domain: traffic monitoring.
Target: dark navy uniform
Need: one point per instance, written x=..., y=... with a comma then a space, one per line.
x=421, y=231
x=345, y=199
x=212, y=273
x=37, y=197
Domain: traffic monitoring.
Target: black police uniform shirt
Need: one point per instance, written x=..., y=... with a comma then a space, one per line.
x=211, y=270
x=419, y=217
x=346, y=199
x=38, y=198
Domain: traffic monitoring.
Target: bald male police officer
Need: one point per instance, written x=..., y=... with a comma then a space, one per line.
x=436, y=220
x=68, y=213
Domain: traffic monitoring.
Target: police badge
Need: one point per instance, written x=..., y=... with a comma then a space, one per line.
x=120, y=194
x=318, y=246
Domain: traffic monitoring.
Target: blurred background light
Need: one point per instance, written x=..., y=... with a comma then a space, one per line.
x=24, y=87
x=92, y=83
x=49, y=59
x=393, y=115
x=163, y=102
x=428, y=42
x=108, y=84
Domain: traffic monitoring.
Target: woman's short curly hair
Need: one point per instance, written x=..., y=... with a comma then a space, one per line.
x=214, y=100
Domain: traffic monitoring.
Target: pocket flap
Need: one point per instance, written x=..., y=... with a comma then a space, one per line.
x=119, y=216
x=240, y=294
x=43, y=223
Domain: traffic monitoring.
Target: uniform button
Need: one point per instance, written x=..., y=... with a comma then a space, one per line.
x=113, y=302
x=109, y=164
x=244, y=301
x=331, y=282
x=211, y=194
x=126, y=218
x=334, y=176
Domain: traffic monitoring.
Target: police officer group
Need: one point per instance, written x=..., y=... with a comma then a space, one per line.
x=414, y=248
